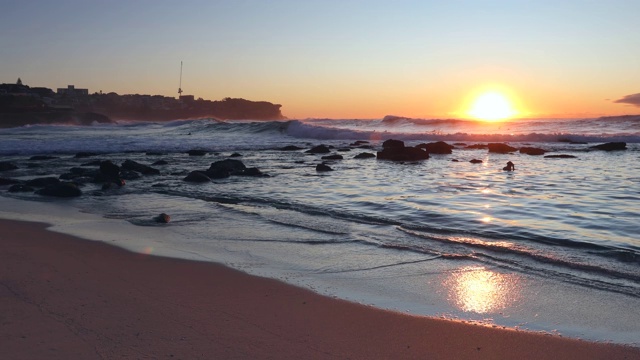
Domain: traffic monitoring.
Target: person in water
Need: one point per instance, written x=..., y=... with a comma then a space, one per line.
x=510, y=167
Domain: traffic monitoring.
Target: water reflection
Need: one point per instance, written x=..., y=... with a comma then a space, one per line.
x=479, y=290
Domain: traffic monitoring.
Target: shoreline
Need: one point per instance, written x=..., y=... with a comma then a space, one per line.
x=66, y=297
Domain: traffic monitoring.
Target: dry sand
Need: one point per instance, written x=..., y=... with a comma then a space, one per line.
x=68, y=298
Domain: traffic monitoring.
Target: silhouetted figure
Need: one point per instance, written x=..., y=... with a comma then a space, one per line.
x=510, y=167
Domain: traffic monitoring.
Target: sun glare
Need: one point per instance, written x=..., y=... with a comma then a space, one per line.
x=491, y=106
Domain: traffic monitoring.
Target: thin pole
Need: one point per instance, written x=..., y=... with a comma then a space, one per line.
x=180, y=86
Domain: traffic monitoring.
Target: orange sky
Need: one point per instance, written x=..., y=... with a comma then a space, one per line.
x=337, y=59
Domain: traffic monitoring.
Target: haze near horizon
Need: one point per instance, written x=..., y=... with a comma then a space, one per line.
x=340, y=59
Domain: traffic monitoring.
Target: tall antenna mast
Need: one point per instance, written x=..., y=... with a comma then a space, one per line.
x=180, y=86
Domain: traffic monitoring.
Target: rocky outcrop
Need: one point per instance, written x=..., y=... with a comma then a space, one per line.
x=475, y=161
x=196, y=152
x=141, y=168
x=20, y=188
x=610, y=146
x=439, y=147
x=333, y=157
x=323, y=168
x=364, y=155
x=320, y=149
x=42, y=182
x=532, y=151
x=500, y=148
x=63, y=189
x=290, y=148
x=197, y=177
x=395, y=150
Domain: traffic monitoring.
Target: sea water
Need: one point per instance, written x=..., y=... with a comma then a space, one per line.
x=552, y=246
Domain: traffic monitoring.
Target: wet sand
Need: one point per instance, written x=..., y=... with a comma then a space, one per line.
x=67, y=298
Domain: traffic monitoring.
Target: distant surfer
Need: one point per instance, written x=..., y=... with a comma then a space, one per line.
x=510, y=167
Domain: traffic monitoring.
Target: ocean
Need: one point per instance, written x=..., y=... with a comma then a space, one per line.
x=553, y=246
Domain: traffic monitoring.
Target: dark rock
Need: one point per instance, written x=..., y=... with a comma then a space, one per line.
x=477, y=146
x=196, y=152
x=109, y=170
x=63, y=189
x=364, y=155
x=323, y=167
x=532, y=151
x=393, y=144
x=455, y=160
x=475, y=161
x=160, y=162
x=20, y=188
x=163, y=218
x=129, y=175
x=610, y=146
x=560, y=156
x=396, y=151
x=333, y=157
x=92, y=163
x=290, y=148
x=460, y=144
x=229, y=165
x=251, y=172
x=43, y=157
x=439, y=147
x=155, y=153
x=358, y=143
x=235, y=155
x=320, y=149
x=6, y=166
x=197, y=177
x=84, y=154
x=8, y=181
x=344, y=149
x=218, y=173
x=569, y=141
x=141, y=168
x=42, y=182
x=500, y=148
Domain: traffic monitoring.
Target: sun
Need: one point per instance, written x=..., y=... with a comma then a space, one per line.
x=491, y=106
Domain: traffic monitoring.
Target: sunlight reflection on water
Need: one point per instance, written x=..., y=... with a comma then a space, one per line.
x=476, y=289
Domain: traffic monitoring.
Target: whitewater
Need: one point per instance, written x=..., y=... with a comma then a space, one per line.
x=552, y=246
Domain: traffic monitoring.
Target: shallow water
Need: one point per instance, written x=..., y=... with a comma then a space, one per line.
x=552, y=246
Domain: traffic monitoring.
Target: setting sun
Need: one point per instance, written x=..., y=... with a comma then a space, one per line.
x=491, y=106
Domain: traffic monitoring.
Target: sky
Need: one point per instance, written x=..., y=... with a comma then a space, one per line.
x=337, y=59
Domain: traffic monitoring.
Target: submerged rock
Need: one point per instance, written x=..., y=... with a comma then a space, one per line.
x=364, y=155
x=290, y=148
x=20, y=188
x=395, y=150
x=141, y=168
x=532, y=151
x=475, y=161
x=320, y=149
x=197, y=177
x=610, y=146
x=63, y=189
x=500, y=148
x=43, y=157
x=7, y=165
x=560, y=156
x=439, y=147
x=333, y=157
x=196, y=152
x=323, y=168
x=42, y=182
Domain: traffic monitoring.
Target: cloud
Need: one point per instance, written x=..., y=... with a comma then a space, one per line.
x=633, y=99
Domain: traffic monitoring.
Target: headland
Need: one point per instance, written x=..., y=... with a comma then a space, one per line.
x=24, y=105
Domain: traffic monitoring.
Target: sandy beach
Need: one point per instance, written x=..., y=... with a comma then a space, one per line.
x=68, y=298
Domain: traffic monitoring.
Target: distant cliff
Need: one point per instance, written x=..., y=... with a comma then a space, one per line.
x=22, y=105
x=142, y=107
